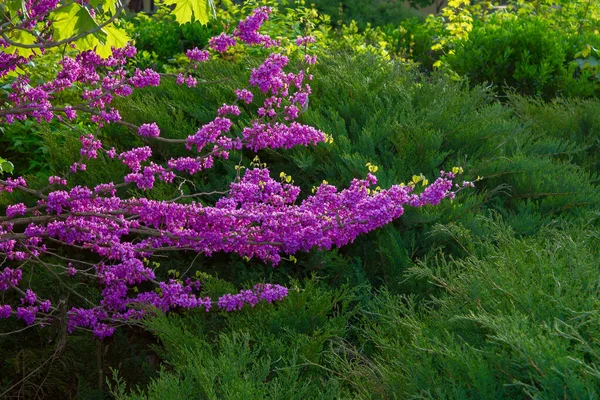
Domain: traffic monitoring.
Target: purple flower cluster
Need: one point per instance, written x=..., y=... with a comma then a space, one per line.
x=89, y=146
x=101, y=79
x=190, y=165
x=135, y=157
x=270, y=76
x=145, y=78
x=248, y=29
x=209, y=133
x=78, y=167
x=29, y=298
x=222, y=43
x=275, y=136
x=27, y=314
x=10, y=277
x=10, y=184
x=189, y=80
x=304, y=40
x=227, y=109
x=16, y=209
x=197, y=55
x=38, y=9
x=247, y=32
x=5, y=311
x=57, y=180
x=261, y=292
x=90, y=319
x=244, y=95
x=8, y=62
x=149, y=130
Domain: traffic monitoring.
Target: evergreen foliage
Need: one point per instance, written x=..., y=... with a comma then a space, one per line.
x=539, y=172
x=265, y=353
x=519, y=322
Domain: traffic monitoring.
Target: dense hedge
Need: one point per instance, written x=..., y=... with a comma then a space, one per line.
x=527, y=55
x=539, y=174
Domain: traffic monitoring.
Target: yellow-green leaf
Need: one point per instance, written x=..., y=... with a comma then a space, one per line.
x=21, y=37
x=115, y=37
x=191, y=10
x=107, y=5
x=6, y=166
x=73, y=20
x=16, y=6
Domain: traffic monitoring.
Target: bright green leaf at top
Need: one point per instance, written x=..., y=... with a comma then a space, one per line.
x=13, y=8
x=73, y=20
x=115, y=37
x=91, y=42
x=191, y=10
x=21, y=37
x=107, y=5
x=110, y=5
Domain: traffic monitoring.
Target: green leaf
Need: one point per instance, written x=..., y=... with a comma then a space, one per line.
x=115, y=37
x=107, y=5
x=110, y=5
x=6, y=166
x=22, y=37
x=191, y=10
x=73, y=20
x=15, y=6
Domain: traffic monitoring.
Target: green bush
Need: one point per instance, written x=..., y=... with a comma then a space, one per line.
x=520, y=322
x=412, y=39
x=567, y=121
x=268, y=352
x=159, y=38
x=374, y=13
x=523, y=53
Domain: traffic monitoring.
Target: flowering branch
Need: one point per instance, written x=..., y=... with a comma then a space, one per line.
x=257, y=217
